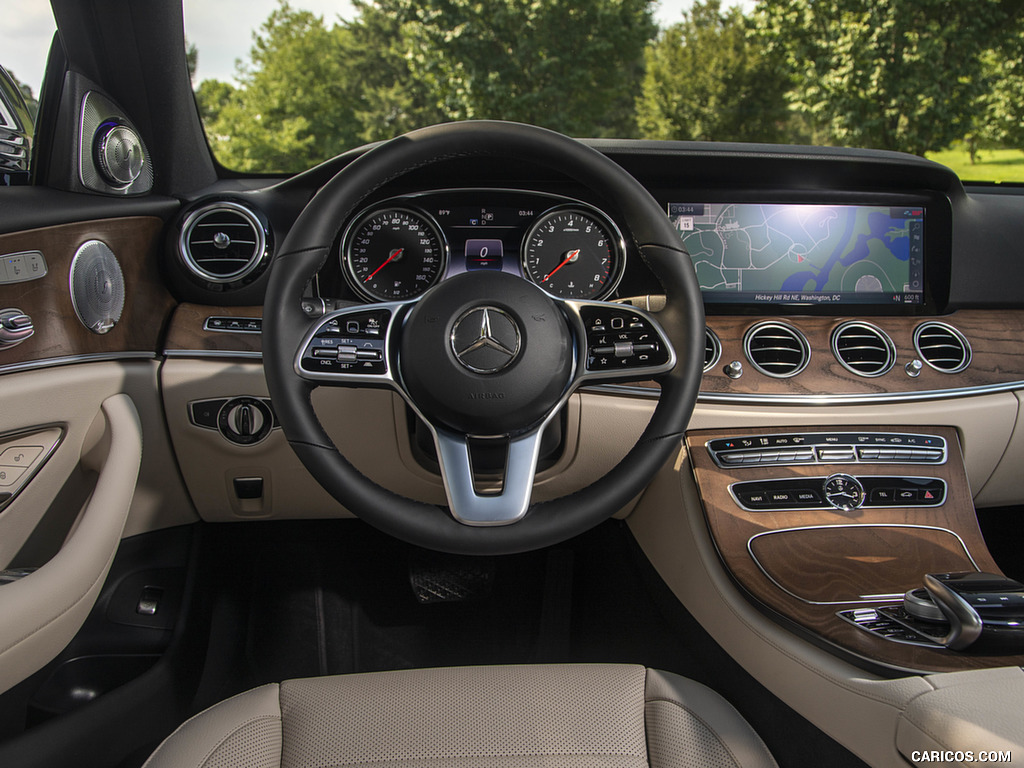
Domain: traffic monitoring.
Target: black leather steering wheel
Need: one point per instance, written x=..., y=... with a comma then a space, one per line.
x=482, y=353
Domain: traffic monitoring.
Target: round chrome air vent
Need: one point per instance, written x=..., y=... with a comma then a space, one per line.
x=712, y=349
x=863, y=348
x=942, y=346
x=776, y=349
x=224, y=243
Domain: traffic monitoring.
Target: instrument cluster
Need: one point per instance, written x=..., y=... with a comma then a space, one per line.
x=397, y=249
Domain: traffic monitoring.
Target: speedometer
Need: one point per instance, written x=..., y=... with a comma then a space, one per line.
x=573, y=254
x=391, y=254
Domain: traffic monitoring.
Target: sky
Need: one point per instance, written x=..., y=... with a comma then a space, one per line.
x=211, y=24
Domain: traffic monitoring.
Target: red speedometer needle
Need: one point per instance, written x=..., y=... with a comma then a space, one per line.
x=571, y=256
x=394, y=255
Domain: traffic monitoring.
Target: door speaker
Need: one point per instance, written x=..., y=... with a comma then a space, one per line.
x=97, y=286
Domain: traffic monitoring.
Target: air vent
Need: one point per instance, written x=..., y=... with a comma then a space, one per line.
x=942, y=346
x=712, y=349
x=863, y=348
x=776, y=349
x=223, y=243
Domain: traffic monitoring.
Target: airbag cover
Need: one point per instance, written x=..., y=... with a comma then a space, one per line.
x=486, y=353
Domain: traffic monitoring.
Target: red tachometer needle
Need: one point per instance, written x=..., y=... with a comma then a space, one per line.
x=571, y=256
x=394, y=255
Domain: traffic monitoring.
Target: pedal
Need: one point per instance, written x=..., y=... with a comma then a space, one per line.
x=450, y=579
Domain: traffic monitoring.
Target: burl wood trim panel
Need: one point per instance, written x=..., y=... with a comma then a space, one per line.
x=186, y=330
x=995, y=338
x=136, y=242
x=815, y=569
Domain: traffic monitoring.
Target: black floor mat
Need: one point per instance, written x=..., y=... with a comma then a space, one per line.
x=331, y=597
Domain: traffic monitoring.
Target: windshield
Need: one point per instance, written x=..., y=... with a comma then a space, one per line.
x=283, y=86
x=939, y=79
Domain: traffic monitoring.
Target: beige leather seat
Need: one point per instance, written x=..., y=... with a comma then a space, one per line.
x=569, y=716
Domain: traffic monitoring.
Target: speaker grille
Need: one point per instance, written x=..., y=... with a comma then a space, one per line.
x=97, y=286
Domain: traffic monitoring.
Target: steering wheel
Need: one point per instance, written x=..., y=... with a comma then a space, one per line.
x=483, y=353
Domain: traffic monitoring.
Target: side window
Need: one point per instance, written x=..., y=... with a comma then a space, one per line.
x=17, y=121
x=25, y=39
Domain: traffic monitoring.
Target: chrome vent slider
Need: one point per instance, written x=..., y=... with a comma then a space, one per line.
x=863, y=348
x=776, y=349
x=224, y=243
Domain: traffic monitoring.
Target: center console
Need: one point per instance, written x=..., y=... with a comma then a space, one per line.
x=827, y=530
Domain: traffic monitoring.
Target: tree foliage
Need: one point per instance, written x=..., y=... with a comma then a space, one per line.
x=571, y=65
x=912, y=75
x=293, y=108
x=900, y=74
x=706, y=80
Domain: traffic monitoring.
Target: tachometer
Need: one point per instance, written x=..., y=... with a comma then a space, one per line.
x=391, y=254
x=573, y=254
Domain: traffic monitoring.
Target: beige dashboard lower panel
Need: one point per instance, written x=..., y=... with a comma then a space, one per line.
x=370, y=428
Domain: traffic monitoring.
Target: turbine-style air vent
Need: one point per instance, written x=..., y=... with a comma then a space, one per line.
x=776, y=349
x=942, y=346
x=863, y=348
x=712, y=349
x=223, y=243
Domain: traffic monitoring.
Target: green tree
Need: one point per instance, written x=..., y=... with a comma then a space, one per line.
x=571, y=65
x=294, y=107
x=899, y=74
x=706, y=80
x=998, y=115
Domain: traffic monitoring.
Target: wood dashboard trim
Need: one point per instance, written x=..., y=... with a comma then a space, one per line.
x=59, y=335
x=732, y=528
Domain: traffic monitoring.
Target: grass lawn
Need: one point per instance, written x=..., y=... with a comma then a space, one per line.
x=992, y=165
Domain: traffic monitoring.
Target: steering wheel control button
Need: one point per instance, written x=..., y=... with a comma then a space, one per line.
x=620, y=338
x=485, y=339
x=350, y=343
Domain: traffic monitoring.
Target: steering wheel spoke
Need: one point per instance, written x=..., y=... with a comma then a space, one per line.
x=351, y=347
x=618, y=342
x=508, y=505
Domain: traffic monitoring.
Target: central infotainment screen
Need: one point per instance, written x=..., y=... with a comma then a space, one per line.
x=792, y=254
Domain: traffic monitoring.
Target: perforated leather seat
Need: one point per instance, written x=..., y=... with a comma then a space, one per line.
x=571, y=716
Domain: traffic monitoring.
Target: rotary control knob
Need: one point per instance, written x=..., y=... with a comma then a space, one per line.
x=119, y=154
x=245, y=420
x=844, y=492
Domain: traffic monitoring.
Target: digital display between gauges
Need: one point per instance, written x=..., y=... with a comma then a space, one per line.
x=391, y=254
x=573, y=254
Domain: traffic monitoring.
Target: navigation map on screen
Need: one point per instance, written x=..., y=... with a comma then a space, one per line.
x=815, y=254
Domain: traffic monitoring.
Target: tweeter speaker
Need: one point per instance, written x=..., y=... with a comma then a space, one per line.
x=97, y=286
x=112, y=157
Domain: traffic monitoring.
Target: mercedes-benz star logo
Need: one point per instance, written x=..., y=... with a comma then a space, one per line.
x=485, y=340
